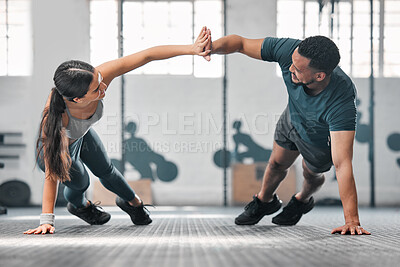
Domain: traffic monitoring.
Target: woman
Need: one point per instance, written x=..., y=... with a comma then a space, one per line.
x=67, y=142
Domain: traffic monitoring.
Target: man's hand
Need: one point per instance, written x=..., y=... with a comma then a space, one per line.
x=200, y=45
x=42, y=229
x=353, y=228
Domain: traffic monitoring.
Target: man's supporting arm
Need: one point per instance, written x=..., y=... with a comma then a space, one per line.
x=342, y=155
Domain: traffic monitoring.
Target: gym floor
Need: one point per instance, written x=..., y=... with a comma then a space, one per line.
x=200, y=236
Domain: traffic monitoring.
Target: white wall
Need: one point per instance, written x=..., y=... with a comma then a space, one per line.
x=60, y=31
x=14, y=118
x=182, y=104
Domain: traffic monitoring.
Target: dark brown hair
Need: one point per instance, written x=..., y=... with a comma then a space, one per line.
x=71, y=79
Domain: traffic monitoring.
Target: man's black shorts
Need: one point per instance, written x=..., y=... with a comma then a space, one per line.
x=317, y=159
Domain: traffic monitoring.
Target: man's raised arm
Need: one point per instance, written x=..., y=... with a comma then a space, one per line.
x=235, y=43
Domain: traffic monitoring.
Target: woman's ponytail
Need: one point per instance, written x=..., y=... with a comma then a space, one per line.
x=52, y=139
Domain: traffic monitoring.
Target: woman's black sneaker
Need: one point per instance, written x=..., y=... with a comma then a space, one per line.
x=139, y=215
x=92, y=214
x=293, y=211
x=256, y=210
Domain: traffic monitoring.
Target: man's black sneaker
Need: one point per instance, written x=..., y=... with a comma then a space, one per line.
x=255, y=210
x=139, y=215
x=293, y=211
x=92, y=214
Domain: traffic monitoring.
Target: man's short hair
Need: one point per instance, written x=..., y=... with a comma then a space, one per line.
x=322, y=52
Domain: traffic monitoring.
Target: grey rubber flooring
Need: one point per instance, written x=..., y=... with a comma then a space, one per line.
x=200, y=236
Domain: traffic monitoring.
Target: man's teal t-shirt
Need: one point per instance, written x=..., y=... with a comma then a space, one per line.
x=333, y=109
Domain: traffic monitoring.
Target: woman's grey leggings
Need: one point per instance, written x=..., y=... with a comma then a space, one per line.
x=89, y=150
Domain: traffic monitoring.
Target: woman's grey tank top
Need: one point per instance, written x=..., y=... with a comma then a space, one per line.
x=77, y=128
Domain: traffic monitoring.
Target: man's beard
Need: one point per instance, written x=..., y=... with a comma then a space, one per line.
x=301, y=83
x=304, y=84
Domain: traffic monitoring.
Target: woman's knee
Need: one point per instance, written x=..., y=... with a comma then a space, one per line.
x=81, y=186
x=78, y=182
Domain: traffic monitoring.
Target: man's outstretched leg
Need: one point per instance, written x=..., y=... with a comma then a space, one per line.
x=265, y=202
x=302, y=202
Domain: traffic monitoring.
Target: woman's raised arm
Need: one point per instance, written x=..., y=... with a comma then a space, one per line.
x=117, y=67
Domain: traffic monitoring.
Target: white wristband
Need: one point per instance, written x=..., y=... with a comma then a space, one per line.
x=47, y=218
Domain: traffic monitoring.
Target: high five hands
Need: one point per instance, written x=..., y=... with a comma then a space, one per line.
x=202, y=45
x=208, y=46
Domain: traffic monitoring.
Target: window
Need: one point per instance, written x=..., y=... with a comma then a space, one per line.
x=15, y=38
x=103, y=31
x=151, y=23
x=391, y=45
x=347, y=23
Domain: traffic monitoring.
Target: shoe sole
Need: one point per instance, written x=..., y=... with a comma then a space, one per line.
x=291, y=222
x=104, y=222
x=75, y=214
x=286, y=223
x=122, y=207
x=259, y=219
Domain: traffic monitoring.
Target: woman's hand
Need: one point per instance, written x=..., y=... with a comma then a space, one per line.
x=42, y=229
x=202, y=43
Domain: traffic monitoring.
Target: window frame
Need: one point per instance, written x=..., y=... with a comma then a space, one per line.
x=27, y=42
x=219, y=63
x=379, y=51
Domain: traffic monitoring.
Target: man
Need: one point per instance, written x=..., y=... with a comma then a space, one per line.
x=318, y=123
